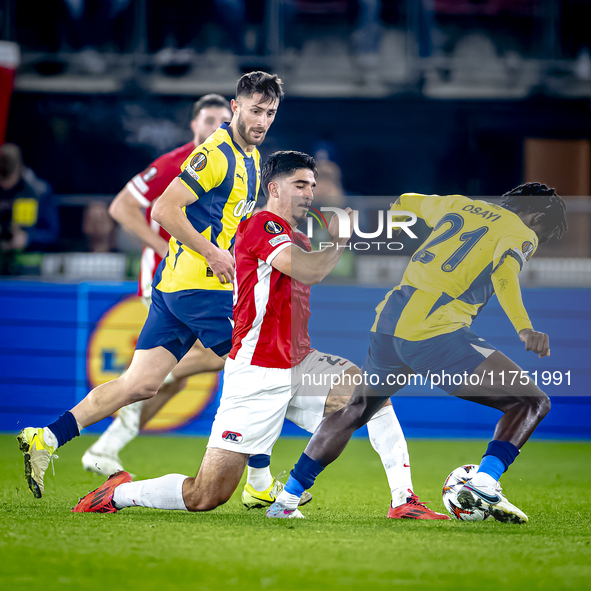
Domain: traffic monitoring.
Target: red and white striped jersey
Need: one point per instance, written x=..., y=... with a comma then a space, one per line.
x=271, y=310
x=146, y=187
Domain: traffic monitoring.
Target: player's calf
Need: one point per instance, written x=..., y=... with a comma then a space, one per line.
x=218, y=477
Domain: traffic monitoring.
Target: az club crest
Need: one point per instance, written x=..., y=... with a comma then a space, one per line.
x=232, y=436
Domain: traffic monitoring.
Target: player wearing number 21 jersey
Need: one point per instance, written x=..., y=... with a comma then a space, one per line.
x=422, y=326
x=438, y=294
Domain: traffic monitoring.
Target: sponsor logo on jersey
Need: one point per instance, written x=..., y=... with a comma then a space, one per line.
x=150, y=174
x=527, y=248
x=199, y=162
x=279, y=239
x=273, y=227
x=240, y=177
x=232, y=436
x=244, y=207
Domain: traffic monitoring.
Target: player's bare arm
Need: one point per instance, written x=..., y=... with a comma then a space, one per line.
x=128, y=211
x=168, y=212
x=311, y=268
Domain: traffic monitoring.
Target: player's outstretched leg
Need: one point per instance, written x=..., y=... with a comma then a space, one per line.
x=103, y=456
x=524, y=406
x=141, y=381
x=218, y=477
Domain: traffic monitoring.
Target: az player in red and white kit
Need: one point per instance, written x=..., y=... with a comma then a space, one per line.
x=269, y=361
x=132, y=208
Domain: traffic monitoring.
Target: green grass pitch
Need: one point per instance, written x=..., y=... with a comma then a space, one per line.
x=346, y=542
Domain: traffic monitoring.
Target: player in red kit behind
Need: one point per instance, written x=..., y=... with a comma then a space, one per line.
x=132, y=208
x=272, y=372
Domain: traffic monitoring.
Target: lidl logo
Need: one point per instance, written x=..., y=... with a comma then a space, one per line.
x=109, y=353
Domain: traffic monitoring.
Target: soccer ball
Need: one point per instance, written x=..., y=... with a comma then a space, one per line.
x=453, y=483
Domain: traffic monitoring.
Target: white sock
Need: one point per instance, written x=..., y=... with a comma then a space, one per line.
x=120, y=432
x=165, y=492
x=387, y=438
x=49, y=437
x=288, y=500
x=400, y=496
x=259, y=478
x=483, y=479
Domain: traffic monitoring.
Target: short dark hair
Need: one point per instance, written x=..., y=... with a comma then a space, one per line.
x=538, y=198
x=269, y=85
x=282, y=164
x=209, y=100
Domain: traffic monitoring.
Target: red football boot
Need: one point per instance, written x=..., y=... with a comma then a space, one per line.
x=100, y=500
x=414, y=509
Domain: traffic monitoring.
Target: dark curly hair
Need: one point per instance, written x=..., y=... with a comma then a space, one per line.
x=538, y=198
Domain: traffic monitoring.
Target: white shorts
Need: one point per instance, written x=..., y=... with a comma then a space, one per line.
x=256, y=400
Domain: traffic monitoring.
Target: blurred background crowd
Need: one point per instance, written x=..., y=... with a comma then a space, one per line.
x=391, y=96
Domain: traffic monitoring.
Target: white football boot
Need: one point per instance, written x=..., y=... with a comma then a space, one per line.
x=278, y=511
x=491, y=499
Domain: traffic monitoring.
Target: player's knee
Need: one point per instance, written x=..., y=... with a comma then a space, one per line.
x=542, y=405
x=537, y=403
x=141, y=391
x=198, y=497
x=136, y=389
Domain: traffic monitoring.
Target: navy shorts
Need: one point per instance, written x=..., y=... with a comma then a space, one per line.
x=176, y=320
x=454, y=353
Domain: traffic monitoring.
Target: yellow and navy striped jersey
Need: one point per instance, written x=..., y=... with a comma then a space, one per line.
x=449, y=279
x=225, y=180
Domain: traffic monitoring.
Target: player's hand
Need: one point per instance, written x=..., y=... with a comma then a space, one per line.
x=333, y=227
x=535, y=341
x=221, y=263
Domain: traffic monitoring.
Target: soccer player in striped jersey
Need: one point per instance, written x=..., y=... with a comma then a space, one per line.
x=132, y=208
x=422, y=326
x=271, y=357
x=192, y=288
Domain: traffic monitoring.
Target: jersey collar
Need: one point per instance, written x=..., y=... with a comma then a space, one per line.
x=226, y=126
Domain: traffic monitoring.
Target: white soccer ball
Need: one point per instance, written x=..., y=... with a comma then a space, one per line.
x=453, y=483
